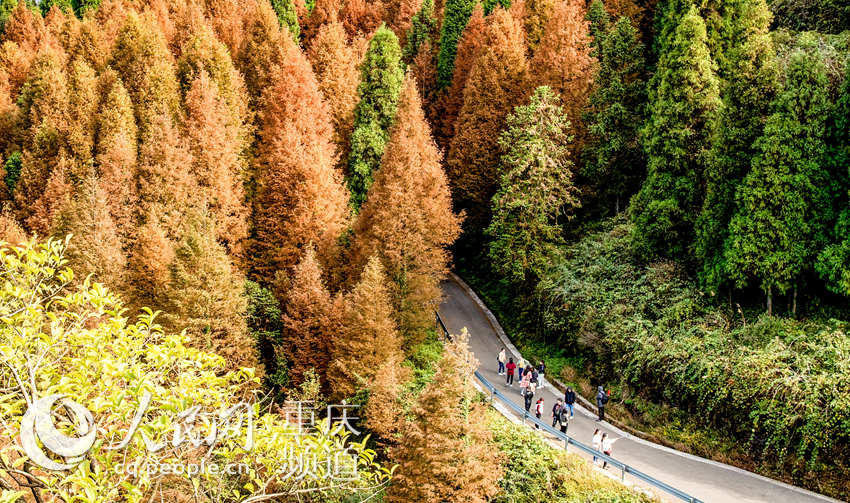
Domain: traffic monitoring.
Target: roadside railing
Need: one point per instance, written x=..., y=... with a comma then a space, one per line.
x=569, y=441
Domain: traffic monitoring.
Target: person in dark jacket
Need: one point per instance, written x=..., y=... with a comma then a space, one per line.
x=569, y=399
x=601, y=401
x=555, y=411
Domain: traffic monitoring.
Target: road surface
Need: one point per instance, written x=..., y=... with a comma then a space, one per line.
x=709, y=481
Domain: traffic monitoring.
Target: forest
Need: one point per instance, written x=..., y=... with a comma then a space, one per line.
x=260, y=198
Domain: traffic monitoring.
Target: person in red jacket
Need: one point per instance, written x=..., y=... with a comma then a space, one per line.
x=511, y=367
x=538, y=411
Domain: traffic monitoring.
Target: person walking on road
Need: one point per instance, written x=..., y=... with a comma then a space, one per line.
x=607, y=447
x=538, y=411
x=541, y=370
x=556, y=411
x=564, y=420
x=569, y=399
x=601, y=402
x=510, y=367
x=529, y=396
x=501, y=360
x=525, y=380
x=596, y=442
x=520, y=367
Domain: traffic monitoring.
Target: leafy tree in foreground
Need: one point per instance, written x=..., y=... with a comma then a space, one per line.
x=747, y=95
x=445, y=452
x=380, y=83
x=778, y=229
x=455, y=17
x=536, y=188
x=676, y=139
x=614, y=154
x=408, y=221
x=493, y=89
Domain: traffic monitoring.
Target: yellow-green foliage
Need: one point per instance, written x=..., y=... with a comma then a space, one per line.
x=76, y=340
x=536, y=472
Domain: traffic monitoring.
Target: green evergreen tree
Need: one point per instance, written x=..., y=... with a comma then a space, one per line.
x=379, y=88
x=288, y=17
x=834, y=261
x=676, y=140
x=64, y=5
x=778, y=228
x=455, y=17
x=12, y=169
x=536, y=187
x=83, y=6
x=600, y=23
x=614, y=155
x=421, y=26
x=747, y=95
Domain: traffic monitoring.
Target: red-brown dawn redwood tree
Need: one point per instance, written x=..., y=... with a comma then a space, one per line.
x=336, y=65
x=300, y=197
x=564, y=62
x=311, y=320
x=468, y=50
x=115, y=155
x=213, y=141
x=407, y=220
x=495, y=85
x=368, y=337
x=262, y=50
x=446, y=452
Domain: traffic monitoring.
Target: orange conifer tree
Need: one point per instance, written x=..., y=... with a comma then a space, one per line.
x=407, y=219
x=564, y=62
x=115, y=155
x=263, y=50
x=468, y=50
x=146, y=67
x=361, y=17
x=300, y=197
x=494, y=86
x=311, y=320
x=213, y=141
x=536, y=18
x=335, y=64
x=445, y=453
x=368, y=337
x=205, y=294
x=96, y=247
x=83, y=101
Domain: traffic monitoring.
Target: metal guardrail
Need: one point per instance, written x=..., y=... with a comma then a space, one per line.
x=568, y=441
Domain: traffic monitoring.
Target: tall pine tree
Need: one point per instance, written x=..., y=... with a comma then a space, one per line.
x=676, y=140
x=614, y=155
x=747, y=94
x=455, y=17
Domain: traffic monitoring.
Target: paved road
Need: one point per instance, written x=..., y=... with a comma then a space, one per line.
x=703, y=479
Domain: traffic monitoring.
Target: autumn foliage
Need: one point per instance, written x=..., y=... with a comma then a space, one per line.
x=407, y=219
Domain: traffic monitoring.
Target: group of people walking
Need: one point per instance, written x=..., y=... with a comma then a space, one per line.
x=532, y=378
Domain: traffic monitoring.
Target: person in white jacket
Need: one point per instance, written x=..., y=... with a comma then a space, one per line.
x=502, y=359
x=607, y=446
x=596, y=442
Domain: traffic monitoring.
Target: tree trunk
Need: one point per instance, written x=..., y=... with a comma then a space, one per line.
x=770, y=301
x=617, y=205
x=794, y=303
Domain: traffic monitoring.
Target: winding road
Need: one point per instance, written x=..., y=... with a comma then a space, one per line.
x=707, y=480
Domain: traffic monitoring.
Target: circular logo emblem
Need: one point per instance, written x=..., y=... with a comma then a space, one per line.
x=37, y=424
